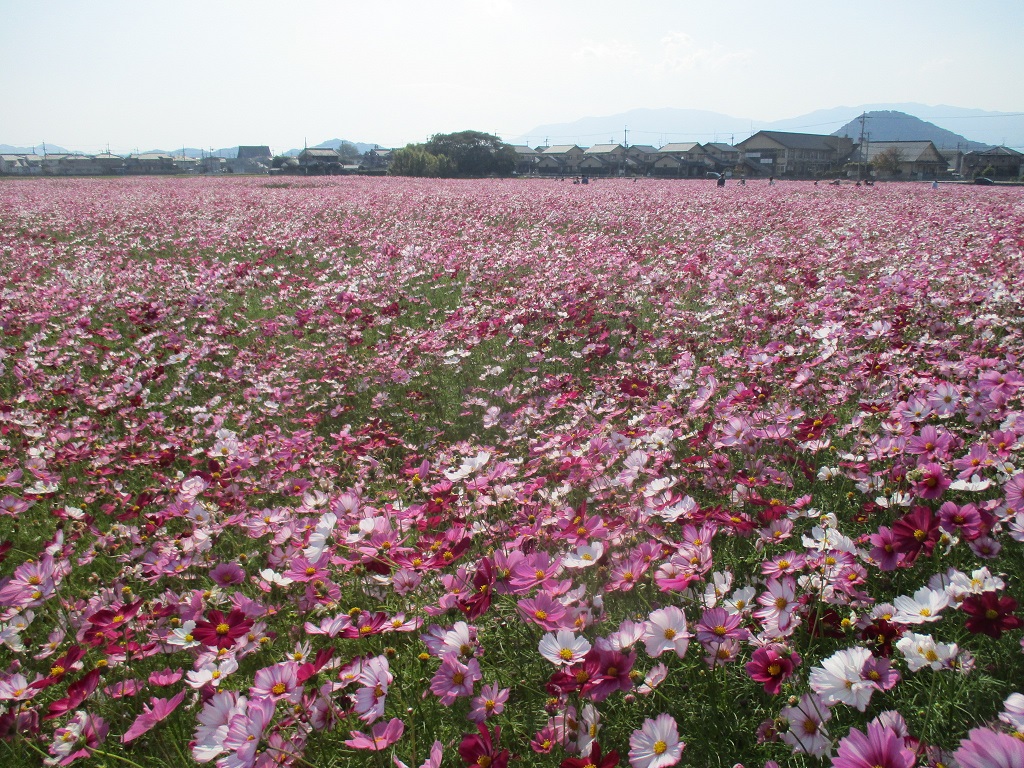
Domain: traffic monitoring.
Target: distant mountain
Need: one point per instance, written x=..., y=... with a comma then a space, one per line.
x=660, y=126
x=361, y=147
x=51, y=149
x=891, y=125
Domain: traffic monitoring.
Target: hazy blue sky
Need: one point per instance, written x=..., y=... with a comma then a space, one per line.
x=158, y=74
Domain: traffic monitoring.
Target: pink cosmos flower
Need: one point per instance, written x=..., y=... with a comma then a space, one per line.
x=718, y=624
x=278, y=682
x=491, y=701
x=381, y=736
x=656, y=743
x=881, y=747
x=454, y=679
x=157, y=710
x=543, y=610
x=984, y=748
x=433, y=761
x=932, y=482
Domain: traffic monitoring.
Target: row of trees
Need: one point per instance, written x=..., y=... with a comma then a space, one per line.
x=466, y=153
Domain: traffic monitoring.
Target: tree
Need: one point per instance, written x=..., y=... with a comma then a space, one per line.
x=474, y=153
x=887, y=162
x=416, y=160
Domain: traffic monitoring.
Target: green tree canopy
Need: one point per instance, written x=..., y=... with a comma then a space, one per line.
x=416, y=160
x=474, y=153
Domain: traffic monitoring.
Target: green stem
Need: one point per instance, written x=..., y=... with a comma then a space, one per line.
x=112, y=756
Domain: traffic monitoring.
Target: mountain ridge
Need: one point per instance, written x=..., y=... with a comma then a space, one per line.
x=667, y=124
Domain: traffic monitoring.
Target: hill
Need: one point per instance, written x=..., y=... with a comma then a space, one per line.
x=51, y=149
x=660, y=126
x=891, y=125
x=360, y=146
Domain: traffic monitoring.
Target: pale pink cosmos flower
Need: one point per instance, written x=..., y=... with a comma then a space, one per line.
x=665, y=630
x=806, y=733
x=656, y=743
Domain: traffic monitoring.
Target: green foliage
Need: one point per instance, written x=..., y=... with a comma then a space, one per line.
x=887, y=163
x=474, y=153
x=417, y=160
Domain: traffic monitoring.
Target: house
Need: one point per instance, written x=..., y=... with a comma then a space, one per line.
x=376, y=159
x=909, y=159
x=109, y=164
x=724, y=157
x=526, y=159
x=604, y=159
x=560, y=159
x=251, y=159
x=1000, y=162
x=185, y=164
x=260, y=153
x=781, y=153
x=20, y=165
x=683, y=159
x=640, y=159
x=954, y=160
x=320, y=161
x=150, y=163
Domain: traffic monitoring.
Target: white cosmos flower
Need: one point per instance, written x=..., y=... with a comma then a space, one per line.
x=925, y=606
x=585, y=556
x=563, y=648
x=838, y=679
x=922, y=651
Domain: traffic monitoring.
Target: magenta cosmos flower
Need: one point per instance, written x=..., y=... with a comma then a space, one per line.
x=771, y=668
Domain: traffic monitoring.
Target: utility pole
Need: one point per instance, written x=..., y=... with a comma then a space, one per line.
x=625, y=136
x=862, y=148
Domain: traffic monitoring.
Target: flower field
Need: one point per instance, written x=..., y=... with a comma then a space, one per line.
x=483, y=473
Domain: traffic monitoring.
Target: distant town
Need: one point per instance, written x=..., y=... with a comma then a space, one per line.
x=765, y=154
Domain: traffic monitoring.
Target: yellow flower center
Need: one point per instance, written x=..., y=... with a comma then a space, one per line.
x=660, y=747
x=223, y=629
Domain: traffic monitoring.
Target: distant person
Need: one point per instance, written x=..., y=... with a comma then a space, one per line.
x=935, y=184
x=771, y=181
x=721, y=181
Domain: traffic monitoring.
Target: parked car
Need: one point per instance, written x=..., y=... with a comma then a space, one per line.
x=983, y=181
x=712, y=175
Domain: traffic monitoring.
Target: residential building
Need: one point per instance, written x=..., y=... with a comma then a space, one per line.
x=1003, y=162
x=526, y=159
x=683, y=159
x=560, y=159
x=780, y=153
x=909, y=159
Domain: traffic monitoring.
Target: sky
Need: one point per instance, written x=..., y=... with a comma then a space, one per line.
x=159, y=74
